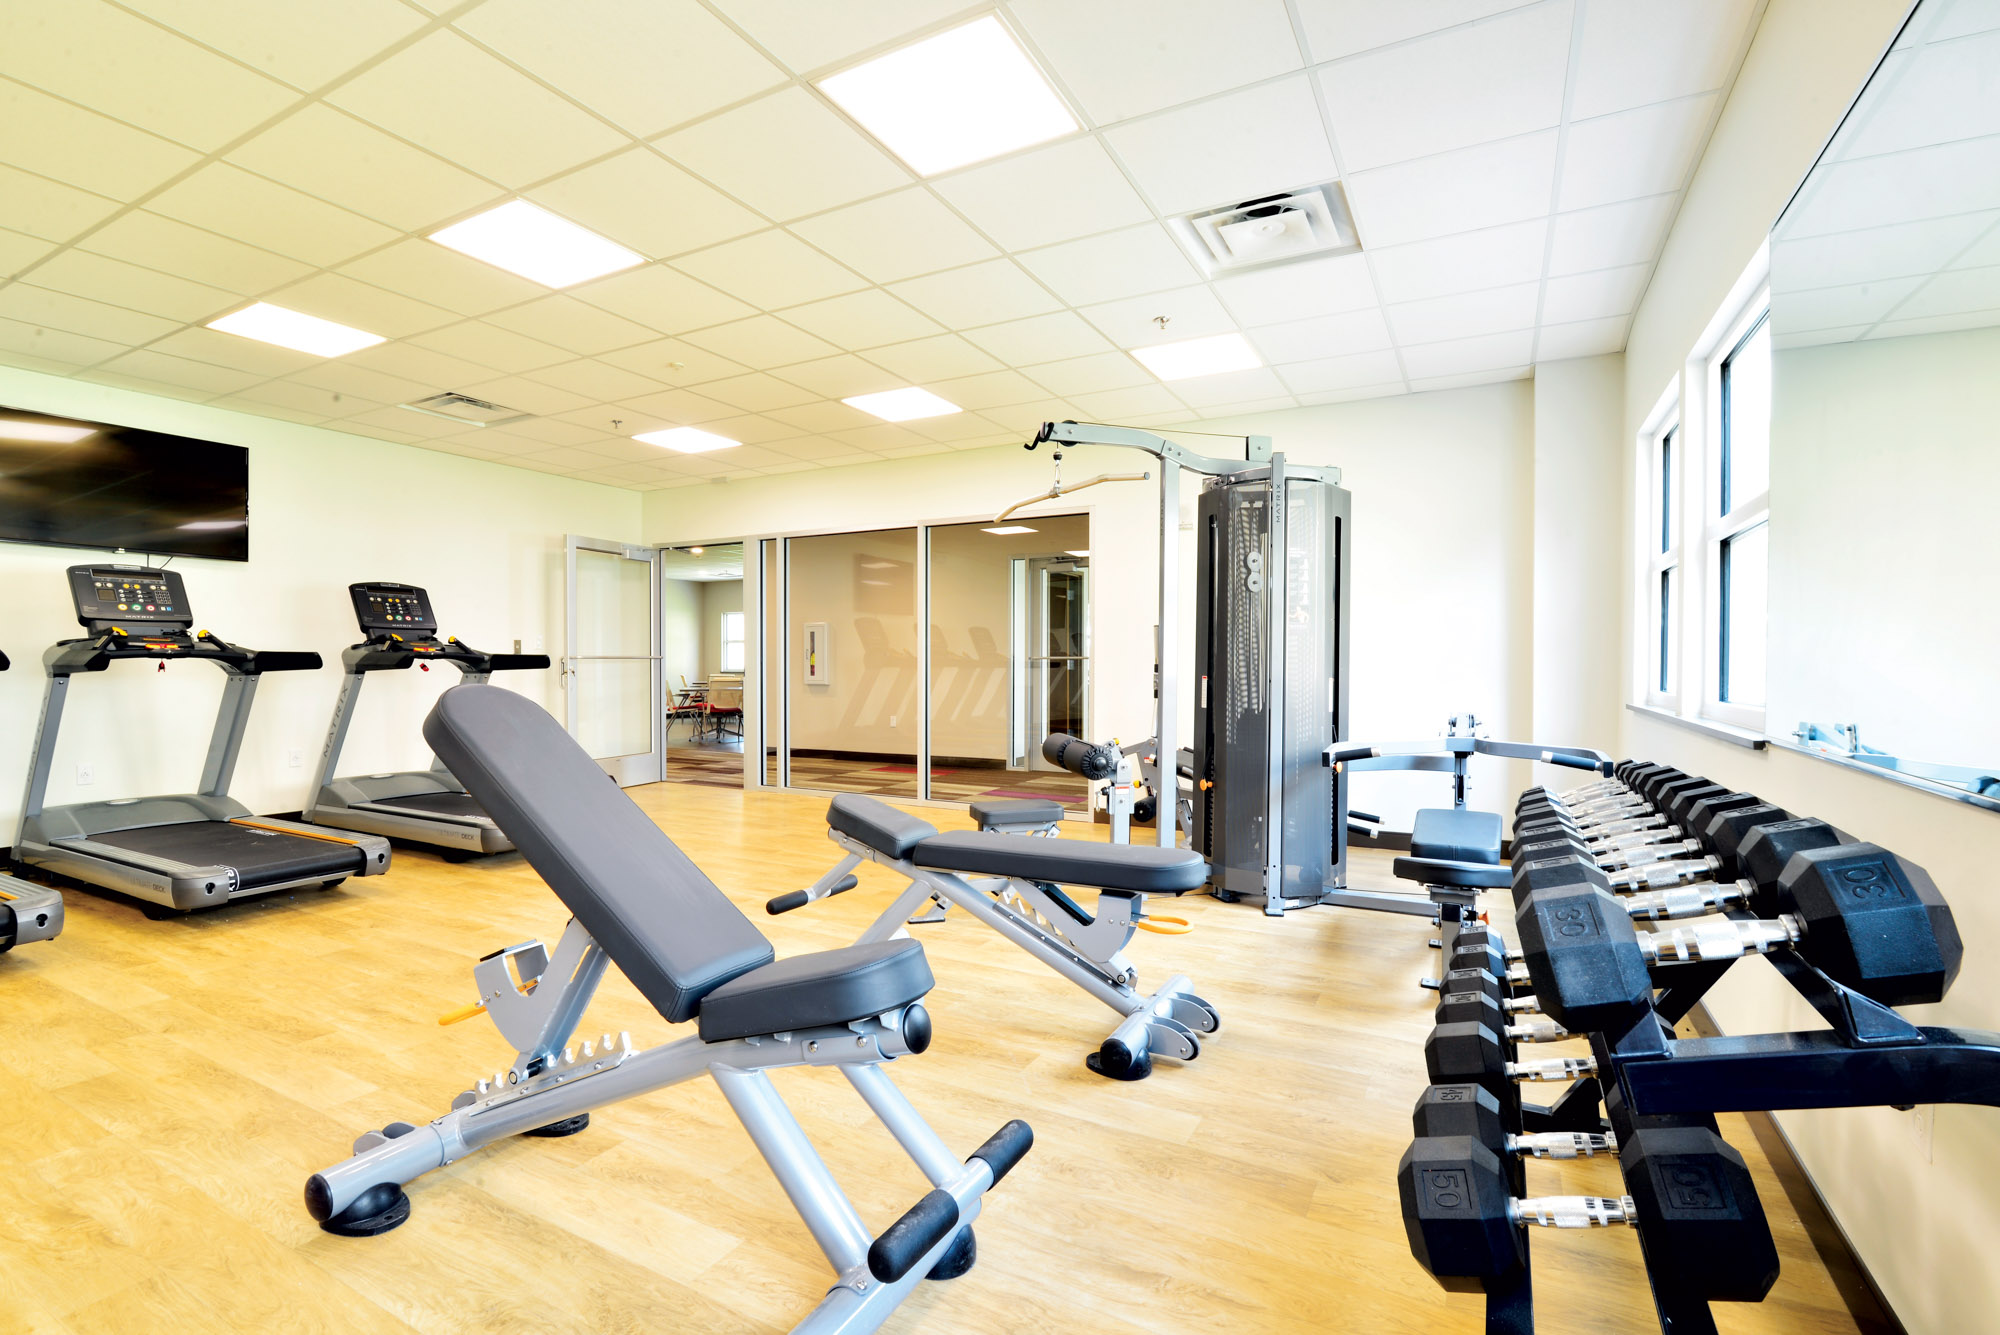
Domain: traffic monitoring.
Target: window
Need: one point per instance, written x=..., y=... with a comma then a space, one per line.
x=1738, y=532
x=732, y=641
x=1662, y=464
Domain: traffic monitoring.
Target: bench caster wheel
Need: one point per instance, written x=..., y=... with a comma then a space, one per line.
x=957, y=1258
x=1115, y=1061
x=568, y=1126
x=375, y=1211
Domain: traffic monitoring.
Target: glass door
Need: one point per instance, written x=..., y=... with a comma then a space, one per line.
x=1056, y=664
x=611, y=660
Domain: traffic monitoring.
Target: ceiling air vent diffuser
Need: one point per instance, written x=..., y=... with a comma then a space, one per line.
x=1276, y=229
x=465, y=408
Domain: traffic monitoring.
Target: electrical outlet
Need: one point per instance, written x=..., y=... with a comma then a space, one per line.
x=295, y=757
x=86, y=775
x=892, y=720
x=1923, y=1128
x=517, y=646
x=535, y=645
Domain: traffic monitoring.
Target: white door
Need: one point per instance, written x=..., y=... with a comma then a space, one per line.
x=611, y=658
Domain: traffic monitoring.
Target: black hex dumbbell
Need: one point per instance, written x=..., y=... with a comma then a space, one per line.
x=1470, y=1110
x=1473, y=1054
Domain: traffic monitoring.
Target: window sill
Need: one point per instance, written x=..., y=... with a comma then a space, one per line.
x=1721, y=732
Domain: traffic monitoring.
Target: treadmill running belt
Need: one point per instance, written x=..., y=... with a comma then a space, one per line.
x=261, y=857
x=442, y=804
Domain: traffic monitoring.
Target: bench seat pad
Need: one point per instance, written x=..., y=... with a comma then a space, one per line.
x=1146, y=870
x=877, y=824
x=1443, y=871
x=1015, y=811
x=825, y=987
x=1456, y=834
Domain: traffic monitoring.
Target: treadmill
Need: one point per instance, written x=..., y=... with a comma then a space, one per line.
x=182, y=852
x=27, y=912
x=425, y=806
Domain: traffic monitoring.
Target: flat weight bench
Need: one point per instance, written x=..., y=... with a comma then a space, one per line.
x=1017, y=815
x=641, y=904
x=1013, y=886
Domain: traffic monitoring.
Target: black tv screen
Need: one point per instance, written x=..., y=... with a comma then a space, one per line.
x=69, y=483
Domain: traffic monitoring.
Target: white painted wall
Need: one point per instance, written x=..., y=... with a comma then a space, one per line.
x=1921, y=1222
x=326, y=509
x=680, y=631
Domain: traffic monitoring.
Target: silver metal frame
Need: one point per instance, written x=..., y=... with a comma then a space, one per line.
x=552, y=1079
x=638, y=767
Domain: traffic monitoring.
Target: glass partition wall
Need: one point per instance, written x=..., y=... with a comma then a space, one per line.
x=927, y=663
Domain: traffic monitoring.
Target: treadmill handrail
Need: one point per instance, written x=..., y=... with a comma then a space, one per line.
x=391, y=653
x=94, y=653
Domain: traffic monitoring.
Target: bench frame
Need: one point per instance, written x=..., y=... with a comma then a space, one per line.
x=552, y=1085
x=1088, y=950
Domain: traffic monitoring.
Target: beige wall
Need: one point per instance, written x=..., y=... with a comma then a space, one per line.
x=680, y=631
x=326, y=509
x=1921, y=1207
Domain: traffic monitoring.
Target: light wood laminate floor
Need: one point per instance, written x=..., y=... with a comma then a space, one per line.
x=170, y=1085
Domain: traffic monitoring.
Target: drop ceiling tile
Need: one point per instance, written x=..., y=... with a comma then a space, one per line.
x=1050, y=194
x=1922, y=182
x=361, y=382
x=47, y=209
x=1334, y=373
x=1244, y=145
x=262, y=360
x=751, y=429
x=992, y=389
x=488, y=345
x=349, y=301
x=1631, y=55
x=81, y=148
x=1115, y=404
x=1189, y=312
x=309, y=403
x=819, y=417
x=1464, y=262
x=1029, y=416
x=1941, y=93
x=1633, y=153
x=1857, y=303
x=1490, y=352
x=978, y=294
x=770, y=270
x=1956, y=292
x=1040, y=338
x=758, y=392
x=646, y=65
x=1586, y=338
x=83, y=274
x=534, y=396
x=505, y=444
x=597, y=381
x=334, y=157
x=1166, y=51
x=420, y=364
x=864, y=319
x=1232, y=387
x=662, y=298
x=682, y=407
x=154, y=242
x=1336, y=28
x=42, y=348
x=1468, y=379
x=785, y=155
x=1895, y=251
x=1493, y=311
x=881, y=436
x=303, y=42
x=897, y=236
x=809, y=34
x=18, y=250
x=1471, y=85
x=267, y=410
x=674, y=362
x=944, y=357
x=761, y=342
x=171, y=370
x=642, y=201
x=100, y=56
x=1929, y=324
x=429, y=272
x=144, y=386
x=840, y=377
x=1610, y=235
x=448, y=96
x=1297, y=291
x=578, y=326
x=238, y=204
x=544, y=431
x=1590, y=296
x=1323, y=336
x=952, y=428
x=1083, y=375
x=1455, y=192
x=80, y=315
x=815, y=448
x=1117, y=264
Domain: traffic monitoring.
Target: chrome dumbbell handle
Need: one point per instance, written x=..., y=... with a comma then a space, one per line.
x=1574, y=1211
x=1562, y=1144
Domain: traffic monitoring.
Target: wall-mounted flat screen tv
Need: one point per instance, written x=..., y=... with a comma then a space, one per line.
x=69, y=483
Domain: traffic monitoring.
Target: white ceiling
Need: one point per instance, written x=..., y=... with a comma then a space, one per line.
x=1897, y=230
x=1512, y=169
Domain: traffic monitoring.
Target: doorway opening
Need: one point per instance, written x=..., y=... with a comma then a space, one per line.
x=702, y=658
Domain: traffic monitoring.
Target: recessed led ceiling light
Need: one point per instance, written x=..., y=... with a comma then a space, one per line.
x=903, y=405
x=43, y=433
x=1084, y=552
x=1198, y=356
x=1008, y=530
x=534, y=243
x=697, y=551
x=215, y=525
x=295, y=330
x=687, y=440
x=960, y=97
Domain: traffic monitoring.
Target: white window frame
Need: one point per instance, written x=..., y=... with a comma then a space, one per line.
x=1663, y=424
x=727, y=641
x=1718, y=528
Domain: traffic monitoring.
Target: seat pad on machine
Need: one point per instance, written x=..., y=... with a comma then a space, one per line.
x=1016, y=811
x=826, y=987
x=1135, y=867
x=1456, y=834
x=1443, y=871
x=877, y=824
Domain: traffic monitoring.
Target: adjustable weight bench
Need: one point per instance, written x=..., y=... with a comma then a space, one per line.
x=641, y=904
x=1012, y=884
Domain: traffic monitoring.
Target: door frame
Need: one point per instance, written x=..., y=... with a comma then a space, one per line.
x=640, y=766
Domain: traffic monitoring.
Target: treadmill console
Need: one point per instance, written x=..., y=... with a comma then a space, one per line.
x=117, y=595
x=402, y=609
